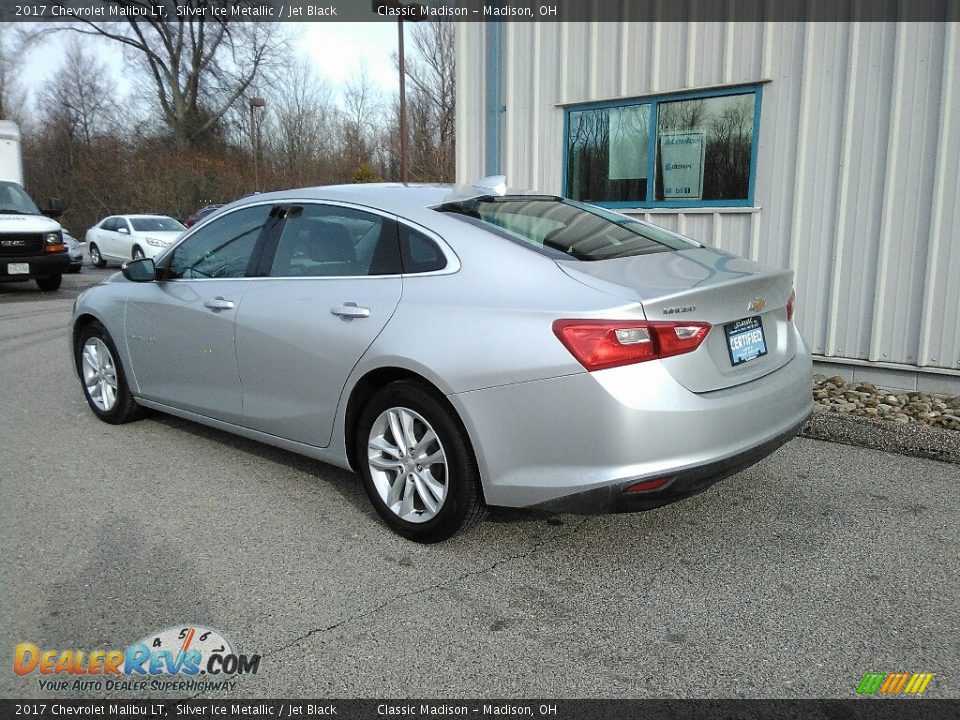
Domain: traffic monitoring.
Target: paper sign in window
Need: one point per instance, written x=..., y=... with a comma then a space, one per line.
x=681, y=158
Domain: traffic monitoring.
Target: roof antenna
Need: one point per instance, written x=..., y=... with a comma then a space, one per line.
x=496, y=184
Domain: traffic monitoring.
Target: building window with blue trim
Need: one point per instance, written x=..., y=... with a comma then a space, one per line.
x=703, y=150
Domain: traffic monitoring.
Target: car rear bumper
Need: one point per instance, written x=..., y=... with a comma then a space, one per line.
x=41, y=266
x=681, y=484
x=576, y=442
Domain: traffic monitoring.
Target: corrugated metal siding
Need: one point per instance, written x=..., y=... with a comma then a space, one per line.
x=470, y=107
x=858, y=173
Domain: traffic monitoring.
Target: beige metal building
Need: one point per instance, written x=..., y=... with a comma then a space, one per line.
x=832, y=148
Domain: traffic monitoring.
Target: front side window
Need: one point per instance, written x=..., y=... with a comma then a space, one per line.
x=669, y=151
x=333, y=241
x=221, y=249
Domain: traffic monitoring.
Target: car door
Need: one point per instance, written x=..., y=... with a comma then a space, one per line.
x=331, y=281
x=123, y=239
x=106, y=236
x=180, y=329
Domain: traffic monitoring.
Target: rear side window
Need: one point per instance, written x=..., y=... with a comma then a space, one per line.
x=564, y=229
x=420, y=254
x=333, y=241
x=109, y=224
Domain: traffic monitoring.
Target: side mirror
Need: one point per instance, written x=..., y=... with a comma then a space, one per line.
x=142, y=270
x=54, y=208
x=124, y=230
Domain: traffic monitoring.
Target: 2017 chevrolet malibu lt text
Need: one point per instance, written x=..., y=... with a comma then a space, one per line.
x=457, y=347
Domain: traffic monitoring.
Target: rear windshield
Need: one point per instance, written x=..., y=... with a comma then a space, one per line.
x=565, y=229
x=156, y=224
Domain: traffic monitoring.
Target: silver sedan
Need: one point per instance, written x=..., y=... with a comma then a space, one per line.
x=458, y=347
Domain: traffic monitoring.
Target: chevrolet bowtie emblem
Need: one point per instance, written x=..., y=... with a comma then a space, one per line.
x=757, y=304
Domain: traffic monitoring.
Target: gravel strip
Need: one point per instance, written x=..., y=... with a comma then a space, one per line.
x=916, y=424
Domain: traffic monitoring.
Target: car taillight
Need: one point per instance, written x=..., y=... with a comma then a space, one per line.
x=791, y=303
x=600, y=344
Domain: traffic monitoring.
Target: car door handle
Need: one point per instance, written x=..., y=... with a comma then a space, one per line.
x=218, y=303
x=350, y=310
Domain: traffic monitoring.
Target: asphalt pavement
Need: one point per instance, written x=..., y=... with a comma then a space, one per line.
x=791, y=579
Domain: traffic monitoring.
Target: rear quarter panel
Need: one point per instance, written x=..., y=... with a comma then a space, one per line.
x=490, y=323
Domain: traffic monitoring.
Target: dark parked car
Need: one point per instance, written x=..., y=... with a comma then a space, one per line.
x=74, y=251
x=201, y=214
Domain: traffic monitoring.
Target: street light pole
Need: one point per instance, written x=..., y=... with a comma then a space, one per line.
x=255, y=102
x=404, y=168
x=413, y=12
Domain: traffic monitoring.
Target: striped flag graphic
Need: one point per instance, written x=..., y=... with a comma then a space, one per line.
x=894, y=683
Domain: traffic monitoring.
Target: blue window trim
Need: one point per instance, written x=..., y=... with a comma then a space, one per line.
x=653, y=101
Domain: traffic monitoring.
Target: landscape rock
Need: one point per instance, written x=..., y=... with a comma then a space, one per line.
x=868, y=401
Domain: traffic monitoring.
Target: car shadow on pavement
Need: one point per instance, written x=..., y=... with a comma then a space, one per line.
x=345, y=483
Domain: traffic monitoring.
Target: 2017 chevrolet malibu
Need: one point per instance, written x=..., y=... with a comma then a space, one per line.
x=457, y=347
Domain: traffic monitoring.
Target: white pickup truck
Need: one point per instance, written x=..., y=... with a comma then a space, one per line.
x=31, y=243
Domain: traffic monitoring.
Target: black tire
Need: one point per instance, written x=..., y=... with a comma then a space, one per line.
x=463, y=504
x=125, y=408
x=95, y=257
x=137, y=253
x=75, y=268
x=51, y=283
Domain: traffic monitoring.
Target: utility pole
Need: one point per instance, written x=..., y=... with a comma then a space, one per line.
x=255, y=102
x=412, y=12
x=404, y=165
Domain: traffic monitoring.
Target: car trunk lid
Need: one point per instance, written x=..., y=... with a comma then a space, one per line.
x=705, y=285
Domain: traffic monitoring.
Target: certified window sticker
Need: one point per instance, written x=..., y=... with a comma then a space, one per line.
x=183, y=657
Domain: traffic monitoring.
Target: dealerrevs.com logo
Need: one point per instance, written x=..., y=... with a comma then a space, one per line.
x=198, y=658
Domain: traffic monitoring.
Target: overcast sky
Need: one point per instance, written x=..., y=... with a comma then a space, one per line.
x=335, y=49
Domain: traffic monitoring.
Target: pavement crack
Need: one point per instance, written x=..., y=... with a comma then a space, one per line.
x=533, y=549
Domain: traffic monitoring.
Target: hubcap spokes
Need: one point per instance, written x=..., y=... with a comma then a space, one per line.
x=408, y=464
x=99, y=374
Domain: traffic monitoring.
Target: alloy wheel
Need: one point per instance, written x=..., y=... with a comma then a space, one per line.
x=99, y=374
x=408, y=464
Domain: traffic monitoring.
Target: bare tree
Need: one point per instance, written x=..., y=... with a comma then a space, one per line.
x=12, y=93
x=431, y=72
x=79, y=98
x=196, y=66
x=363, y=111
x=301, y=118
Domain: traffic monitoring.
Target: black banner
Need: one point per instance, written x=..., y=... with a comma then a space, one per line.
x=478, y=10
x=853, y=709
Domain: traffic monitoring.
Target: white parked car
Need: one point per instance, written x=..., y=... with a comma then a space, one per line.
x=131, y=237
